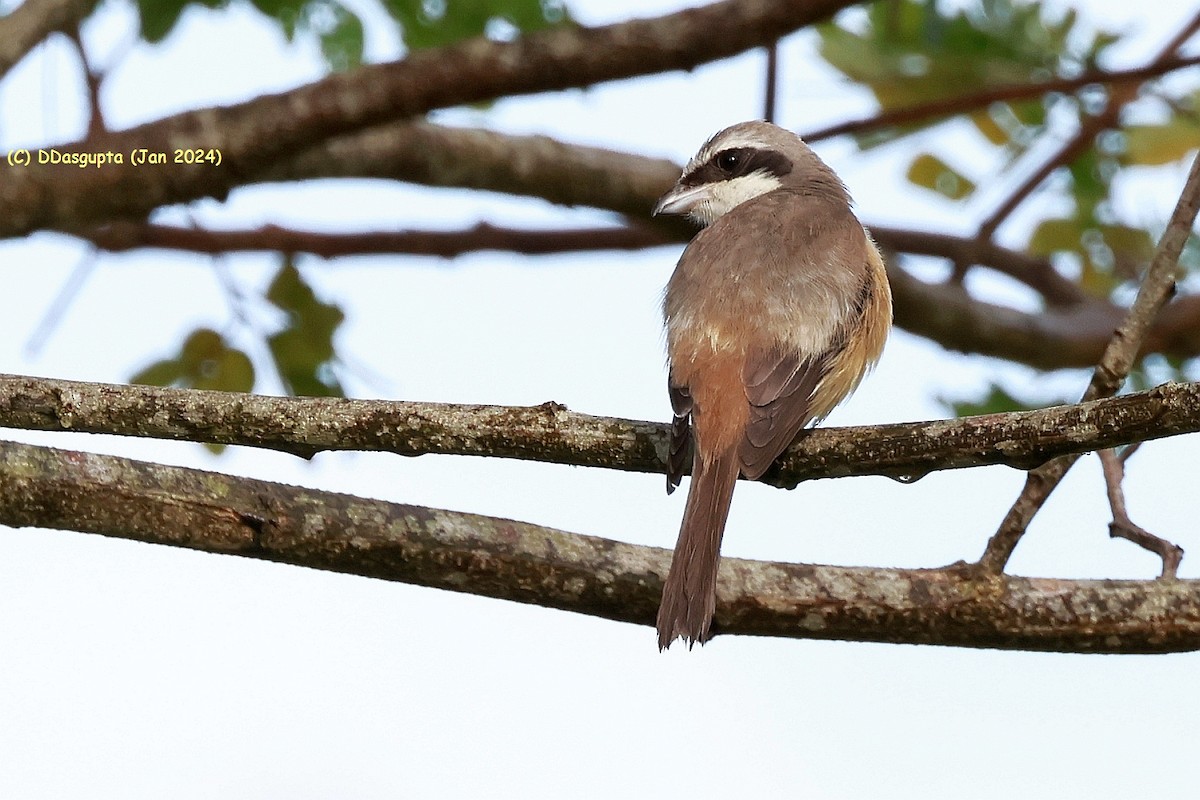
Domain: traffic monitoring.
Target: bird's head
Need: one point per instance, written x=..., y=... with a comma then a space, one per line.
x=743, y=162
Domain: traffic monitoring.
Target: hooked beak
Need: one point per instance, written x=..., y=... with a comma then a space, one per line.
x=681, y=200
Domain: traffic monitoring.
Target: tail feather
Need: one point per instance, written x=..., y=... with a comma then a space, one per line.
x=689, y=596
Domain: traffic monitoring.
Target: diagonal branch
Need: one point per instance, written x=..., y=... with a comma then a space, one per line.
x=31, y=22
x=1085, y=138
x=964, y=104
x=1119, y=357
x=50, y=488
x=550, y=433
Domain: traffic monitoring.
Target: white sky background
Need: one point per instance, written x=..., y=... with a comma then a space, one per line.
x=134, y=671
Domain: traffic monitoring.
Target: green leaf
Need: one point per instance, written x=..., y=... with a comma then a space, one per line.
x=913, y=51
x=160, y=373
x=229, y=371
x=1090, y=184
x=986, y=124
x=205, y=361
x=342, y=43
x=997, y=400
x=303, y=364
x=1128, y=243
x=303, y=350
x=158, y=17
x=291, y=15
x=1056, y=235
x=435, y=24
x=933, y=173
x=1153, y=145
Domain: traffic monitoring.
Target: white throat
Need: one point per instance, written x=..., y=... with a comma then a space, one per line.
x=724, y=196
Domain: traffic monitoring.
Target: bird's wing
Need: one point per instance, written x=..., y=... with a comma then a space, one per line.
x=779, y=389
x=681, y=432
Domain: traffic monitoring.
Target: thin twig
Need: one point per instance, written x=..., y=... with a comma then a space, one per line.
x=1123, y=527
x=772, y=81
x=96, y=125
x=1085, y=138
x=62, y=301
x=962, y=104
x=125, y=236
x=1122, y=351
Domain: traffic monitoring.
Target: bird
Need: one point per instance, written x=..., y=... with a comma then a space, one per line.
x=777, y=308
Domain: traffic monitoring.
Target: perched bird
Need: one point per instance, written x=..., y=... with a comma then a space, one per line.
x=776, y=310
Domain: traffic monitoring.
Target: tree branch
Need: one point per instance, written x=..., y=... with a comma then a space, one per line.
x=1120, y=355
x=67, y=490
x=1072, y=333
x=1035, y=272
x=1084, y=139
x=251, y=134
x=550, y=433
x=124, y=236
x=1122, y=526
x=1052, y=339
x=964, y=104
x=31, y=22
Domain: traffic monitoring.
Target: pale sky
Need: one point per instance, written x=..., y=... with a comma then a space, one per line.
x=134, y=671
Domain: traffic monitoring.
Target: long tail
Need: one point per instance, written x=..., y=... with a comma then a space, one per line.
x=689, y=596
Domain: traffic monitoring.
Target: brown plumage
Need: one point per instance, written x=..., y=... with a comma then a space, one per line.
x=774, y=313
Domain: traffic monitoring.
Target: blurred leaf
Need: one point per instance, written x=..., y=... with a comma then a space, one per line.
x=1090, y=186
x=986, y=124
x=205, y=361
x=158, y=17
x=933, y=173
x=303, y=350
x=160, y=373
x=997, y=400
x=1055, y=235
x=290, y=14
x=436, y=23
x=229, y=371
x=913, y=51
x=1153, y=145
x=203, y=344
x=1128, y=243
x=1189, y=259
x=342, y=39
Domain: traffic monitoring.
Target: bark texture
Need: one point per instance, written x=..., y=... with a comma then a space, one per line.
x=527, y=563
x=553, y=434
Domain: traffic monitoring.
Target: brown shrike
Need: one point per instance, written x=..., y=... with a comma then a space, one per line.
x=776, y=310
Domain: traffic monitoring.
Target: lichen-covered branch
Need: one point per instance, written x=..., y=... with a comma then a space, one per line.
x=550, y=433
x=49, y=488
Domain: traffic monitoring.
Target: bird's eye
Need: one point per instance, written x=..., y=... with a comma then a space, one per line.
x=728, y=161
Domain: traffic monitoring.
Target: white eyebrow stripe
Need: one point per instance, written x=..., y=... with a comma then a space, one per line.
x=730, y=142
